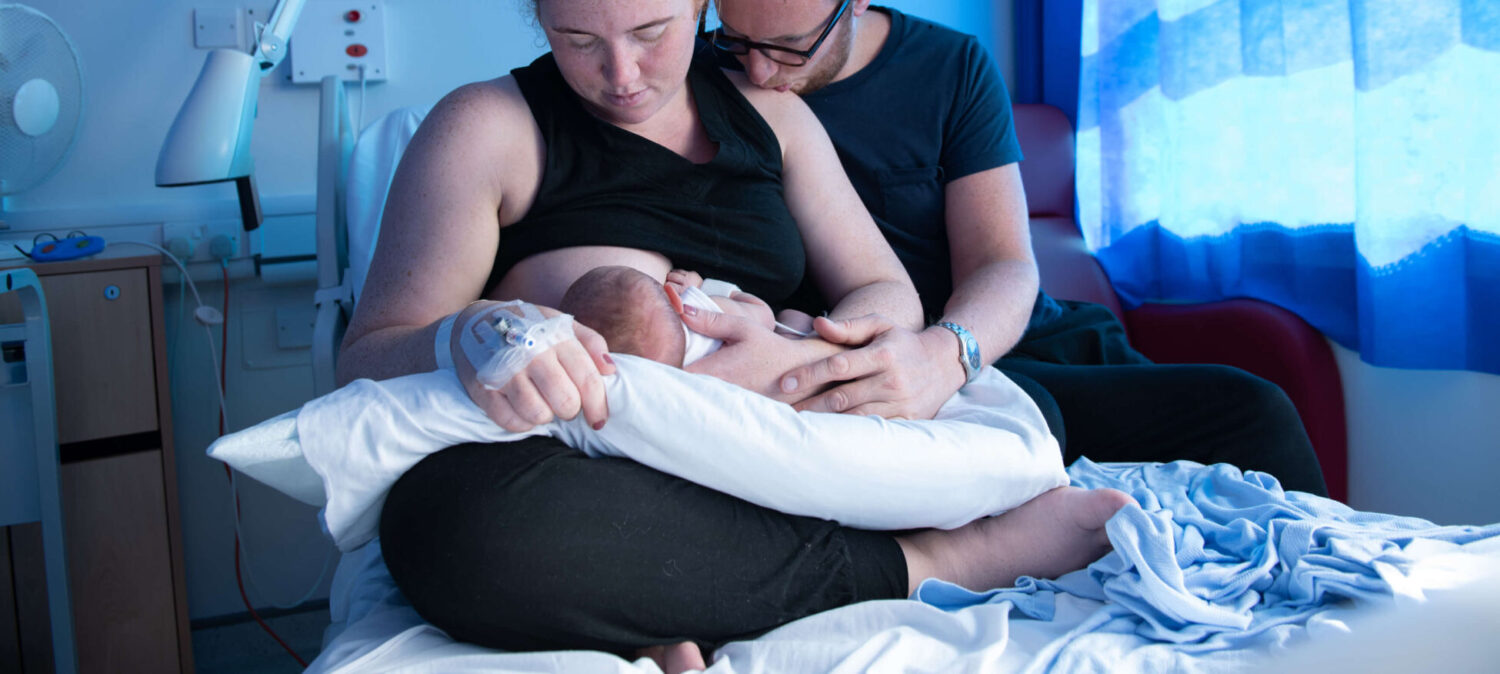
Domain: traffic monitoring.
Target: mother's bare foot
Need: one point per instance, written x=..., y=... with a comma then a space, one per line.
x=1046, y=537
x=675, y=658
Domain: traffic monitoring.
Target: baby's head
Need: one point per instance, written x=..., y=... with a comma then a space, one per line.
x=638, y=315
x=631, y=310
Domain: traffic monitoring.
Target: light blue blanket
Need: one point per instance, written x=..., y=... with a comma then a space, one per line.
x=1212, y=562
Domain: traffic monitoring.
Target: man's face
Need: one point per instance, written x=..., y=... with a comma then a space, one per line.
x=795, y=24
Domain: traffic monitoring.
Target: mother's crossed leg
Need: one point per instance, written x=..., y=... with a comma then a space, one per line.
x=532, y=545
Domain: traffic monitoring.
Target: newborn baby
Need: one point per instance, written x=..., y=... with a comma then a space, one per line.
x=638, y=315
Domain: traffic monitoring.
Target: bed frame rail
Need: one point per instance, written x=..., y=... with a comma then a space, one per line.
x=334, y=299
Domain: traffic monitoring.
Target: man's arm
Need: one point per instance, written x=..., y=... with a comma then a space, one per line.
x=994, y=286
x=995, y=276
x=991, y=265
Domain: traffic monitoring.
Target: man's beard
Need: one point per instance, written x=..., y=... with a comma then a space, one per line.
x=841, y=45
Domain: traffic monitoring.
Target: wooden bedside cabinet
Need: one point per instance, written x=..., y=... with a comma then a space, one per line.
x=119, y=479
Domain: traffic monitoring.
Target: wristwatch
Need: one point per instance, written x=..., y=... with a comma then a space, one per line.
x=969, y=355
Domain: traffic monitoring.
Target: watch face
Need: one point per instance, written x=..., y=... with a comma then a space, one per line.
x=971, y=351
x=970, y=356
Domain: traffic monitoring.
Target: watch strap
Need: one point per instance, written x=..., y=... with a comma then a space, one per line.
x=968, y=354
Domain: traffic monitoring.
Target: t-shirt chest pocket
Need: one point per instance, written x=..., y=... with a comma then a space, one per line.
x=912, y=200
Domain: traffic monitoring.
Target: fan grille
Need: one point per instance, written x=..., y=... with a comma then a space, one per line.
x=32, y=46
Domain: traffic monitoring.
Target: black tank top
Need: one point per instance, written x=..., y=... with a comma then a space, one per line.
x=604, y=186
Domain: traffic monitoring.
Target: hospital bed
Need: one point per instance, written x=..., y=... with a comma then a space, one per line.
x=1214, y=572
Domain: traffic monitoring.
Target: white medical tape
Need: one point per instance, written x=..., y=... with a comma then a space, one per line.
x=501, y=340
x=716, y=288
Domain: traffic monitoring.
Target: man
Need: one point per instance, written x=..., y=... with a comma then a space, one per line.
x=922, y=122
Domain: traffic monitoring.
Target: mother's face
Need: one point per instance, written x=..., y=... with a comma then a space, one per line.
x=625, y=58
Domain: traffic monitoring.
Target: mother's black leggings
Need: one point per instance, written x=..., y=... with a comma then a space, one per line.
x=532, y=545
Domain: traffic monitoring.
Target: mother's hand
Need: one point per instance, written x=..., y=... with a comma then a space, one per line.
x=752, y=356
x=557, y=383
x=897, y=373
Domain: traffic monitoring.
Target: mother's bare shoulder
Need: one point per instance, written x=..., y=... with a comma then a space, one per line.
x=492, y=110
x=483, y=133
x=785, y=112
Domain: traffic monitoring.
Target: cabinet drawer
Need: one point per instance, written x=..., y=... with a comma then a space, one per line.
x=119, y=568
x=120, y=564
x=102, y=353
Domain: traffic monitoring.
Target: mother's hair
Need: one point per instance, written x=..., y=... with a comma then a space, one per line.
x=536, y=6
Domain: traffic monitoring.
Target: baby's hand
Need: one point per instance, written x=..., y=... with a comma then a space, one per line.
x=685, y=278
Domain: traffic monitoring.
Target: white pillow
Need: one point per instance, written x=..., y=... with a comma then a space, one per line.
x=270, y=452
x=988, y=450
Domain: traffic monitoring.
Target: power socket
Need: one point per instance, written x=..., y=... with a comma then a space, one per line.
x=200, y=237
x=223, y=247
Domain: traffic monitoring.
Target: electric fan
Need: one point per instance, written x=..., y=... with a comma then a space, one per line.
x=41, y=97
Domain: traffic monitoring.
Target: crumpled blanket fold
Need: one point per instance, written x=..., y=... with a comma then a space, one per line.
x=1209, y=560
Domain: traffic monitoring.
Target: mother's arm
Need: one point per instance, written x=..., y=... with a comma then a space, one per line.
x=472, y=167
x=850, y=261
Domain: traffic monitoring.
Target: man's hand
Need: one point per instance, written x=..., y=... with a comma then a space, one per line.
x=558, y=383
x=897, y=374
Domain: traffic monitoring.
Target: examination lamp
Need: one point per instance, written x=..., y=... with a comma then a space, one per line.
x=210, y=139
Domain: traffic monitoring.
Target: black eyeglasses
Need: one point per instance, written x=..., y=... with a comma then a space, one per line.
x=777, y=53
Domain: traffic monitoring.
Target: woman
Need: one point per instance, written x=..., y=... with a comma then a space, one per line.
x=622, y=147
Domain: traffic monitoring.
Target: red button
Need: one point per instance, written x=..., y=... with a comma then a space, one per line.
x=49, y=248
x=356, y=49
x=352, y=16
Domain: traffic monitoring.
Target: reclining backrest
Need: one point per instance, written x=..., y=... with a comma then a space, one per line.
x=1069, y=270
x=354, y=175
x=371, y=167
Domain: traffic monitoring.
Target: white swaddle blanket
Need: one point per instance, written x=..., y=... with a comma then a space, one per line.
x=987, y=451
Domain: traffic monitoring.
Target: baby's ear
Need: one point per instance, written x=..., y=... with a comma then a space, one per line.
x=676, y=299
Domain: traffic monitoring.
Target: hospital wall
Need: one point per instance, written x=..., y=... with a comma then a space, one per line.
x=1421, y=443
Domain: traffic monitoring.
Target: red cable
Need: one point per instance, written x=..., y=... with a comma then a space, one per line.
x=223, y=359
x=239, y=579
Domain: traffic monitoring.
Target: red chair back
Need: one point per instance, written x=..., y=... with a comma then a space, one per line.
x=1069, y=269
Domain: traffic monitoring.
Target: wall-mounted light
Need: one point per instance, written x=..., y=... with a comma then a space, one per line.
x=210, y=140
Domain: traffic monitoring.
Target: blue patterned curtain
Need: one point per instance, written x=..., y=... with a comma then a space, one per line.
x=1338, y=158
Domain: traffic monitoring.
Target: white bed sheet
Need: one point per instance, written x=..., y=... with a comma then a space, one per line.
x=1392, y=592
